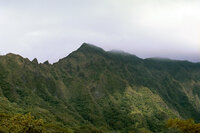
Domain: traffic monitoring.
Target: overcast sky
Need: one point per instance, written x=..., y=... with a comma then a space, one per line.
x=51, y=29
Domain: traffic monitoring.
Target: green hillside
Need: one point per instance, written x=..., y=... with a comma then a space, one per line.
x=92, y=90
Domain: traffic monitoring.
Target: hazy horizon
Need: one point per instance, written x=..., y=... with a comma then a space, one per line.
x=112, y=50
x=50, y=30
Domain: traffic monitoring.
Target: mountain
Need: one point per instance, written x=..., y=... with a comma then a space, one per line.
x=92, y=90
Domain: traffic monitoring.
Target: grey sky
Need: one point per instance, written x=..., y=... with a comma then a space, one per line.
x=51, y=29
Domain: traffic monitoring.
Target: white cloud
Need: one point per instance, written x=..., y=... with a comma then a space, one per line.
x=49, y=29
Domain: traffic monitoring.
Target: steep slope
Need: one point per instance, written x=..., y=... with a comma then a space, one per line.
x=111, y=91
x=33, y=88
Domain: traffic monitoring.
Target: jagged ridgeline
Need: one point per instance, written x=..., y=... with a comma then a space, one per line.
x=98, y=91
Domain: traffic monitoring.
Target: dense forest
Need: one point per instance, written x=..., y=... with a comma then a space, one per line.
x=97, y=91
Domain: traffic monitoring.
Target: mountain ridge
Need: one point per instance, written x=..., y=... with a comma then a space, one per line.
x=95, y=88
x=115, y=51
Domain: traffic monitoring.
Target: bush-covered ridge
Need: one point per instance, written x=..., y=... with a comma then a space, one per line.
x=112, y=92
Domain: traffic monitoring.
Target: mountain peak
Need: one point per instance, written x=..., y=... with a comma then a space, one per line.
x=12, y=55
x=87, y=47
x=46, y=62
x=35, y=61
x=86, y=44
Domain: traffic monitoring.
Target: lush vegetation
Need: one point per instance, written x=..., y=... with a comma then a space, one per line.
x=184, y=126
x=20, y=123
x=96, y=91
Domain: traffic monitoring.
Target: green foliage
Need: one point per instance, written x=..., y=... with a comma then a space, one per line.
x=184, y=126
x=96, y=91
x=20, y=124
x=88, y=129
